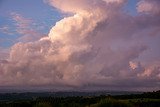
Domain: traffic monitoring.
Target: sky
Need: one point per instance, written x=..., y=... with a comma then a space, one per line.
x=80, y=44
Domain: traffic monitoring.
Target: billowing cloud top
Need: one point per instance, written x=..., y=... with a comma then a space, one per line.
x=98, y=45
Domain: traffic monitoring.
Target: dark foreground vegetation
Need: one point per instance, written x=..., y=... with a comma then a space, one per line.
x=150, y=99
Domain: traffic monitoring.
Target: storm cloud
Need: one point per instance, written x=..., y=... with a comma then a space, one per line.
x=97, y=45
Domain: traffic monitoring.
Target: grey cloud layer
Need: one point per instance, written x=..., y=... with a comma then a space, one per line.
x=98, y=46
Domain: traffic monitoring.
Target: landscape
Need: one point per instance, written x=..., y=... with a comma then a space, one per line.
x=80, y=99
x=79, y=53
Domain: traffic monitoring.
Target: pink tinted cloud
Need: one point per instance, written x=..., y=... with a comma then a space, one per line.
x=4, y=53
x=98, y=46
x=149, y=6
x=25, y=28
x=6, y=30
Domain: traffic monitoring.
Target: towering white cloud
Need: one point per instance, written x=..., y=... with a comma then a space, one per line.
x=93, y=47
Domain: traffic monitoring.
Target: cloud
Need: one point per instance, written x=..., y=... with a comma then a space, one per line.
x=149, y=6
x=25, y=28
x=133, y=65
x=5, y=30
x=21, y=21
x=98, y=45
x=4, y=53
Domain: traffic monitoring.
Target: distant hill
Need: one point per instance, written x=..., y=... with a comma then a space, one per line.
x=116, y=94
x=31, y=95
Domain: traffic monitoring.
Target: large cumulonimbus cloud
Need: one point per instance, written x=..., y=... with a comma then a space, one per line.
x=98, y=45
